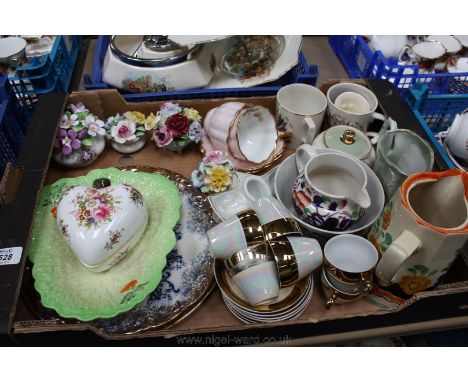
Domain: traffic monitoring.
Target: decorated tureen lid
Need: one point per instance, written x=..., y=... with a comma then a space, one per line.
x=150, y=50
x=349, y=140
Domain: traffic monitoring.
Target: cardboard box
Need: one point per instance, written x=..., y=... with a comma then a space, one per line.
x=211, y=323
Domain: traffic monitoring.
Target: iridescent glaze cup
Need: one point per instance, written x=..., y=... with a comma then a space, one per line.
x=234, y=234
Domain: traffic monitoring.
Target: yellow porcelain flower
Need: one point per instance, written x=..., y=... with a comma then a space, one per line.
x=218, y=178
x=135, y=117
x=151, y=122
x=192, y=114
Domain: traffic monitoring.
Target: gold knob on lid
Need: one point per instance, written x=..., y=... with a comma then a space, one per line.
x=348, y=137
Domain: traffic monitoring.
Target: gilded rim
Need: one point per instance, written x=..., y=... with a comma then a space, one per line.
x=300, y=288
x=281, y=227
x=237, y=122
x=348, y=277
x=253, y=231
x=286, y=262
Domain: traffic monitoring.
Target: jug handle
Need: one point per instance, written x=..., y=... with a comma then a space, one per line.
x=311, y=130
x=388, y=125
x=402, y=248
x=304, y=154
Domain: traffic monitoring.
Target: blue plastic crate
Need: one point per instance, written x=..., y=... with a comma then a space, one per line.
x=435, y=113
x=302, y=73
x=47, y=74
x=12, y=125
x=361, y=62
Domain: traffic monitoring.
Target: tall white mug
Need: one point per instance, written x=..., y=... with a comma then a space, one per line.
x=300, y=110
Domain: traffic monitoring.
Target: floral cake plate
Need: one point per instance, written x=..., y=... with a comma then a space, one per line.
x=73, y=291
x=187, y=279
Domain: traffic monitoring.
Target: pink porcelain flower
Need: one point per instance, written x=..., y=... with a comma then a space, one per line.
x=216, y=157
x=162, y=136
x=124, y=131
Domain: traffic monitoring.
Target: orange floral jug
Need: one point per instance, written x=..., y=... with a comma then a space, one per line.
x=421, y=230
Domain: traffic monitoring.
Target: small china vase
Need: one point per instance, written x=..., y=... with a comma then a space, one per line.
x=130, y=147
x=177, y=148
x=81, y=157
x=324, y=211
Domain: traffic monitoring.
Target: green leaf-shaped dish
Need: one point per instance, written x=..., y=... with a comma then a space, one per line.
x=75, y=292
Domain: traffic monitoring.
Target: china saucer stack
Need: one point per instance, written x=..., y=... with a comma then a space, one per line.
x=290, y=304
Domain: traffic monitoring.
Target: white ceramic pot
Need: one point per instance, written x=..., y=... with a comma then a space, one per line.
x=130, y=147
x=330, y=191
x=195, y=72
x=422, y=230
x=285, y=175
x=102, y=225
x=300, y=110
x=348, y=140
x=352, y=117
x=82, y=157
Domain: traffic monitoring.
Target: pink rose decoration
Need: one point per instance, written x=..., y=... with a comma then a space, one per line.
x=216, y=157
x=124, y=131
x=162, y=136
x=101, y=212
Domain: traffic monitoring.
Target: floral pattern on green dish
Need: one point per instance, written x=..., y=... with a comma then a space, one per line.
x=66, y=286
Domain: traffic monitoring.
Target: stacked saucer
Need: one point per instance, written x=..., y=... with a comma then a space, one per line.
x=290, y=304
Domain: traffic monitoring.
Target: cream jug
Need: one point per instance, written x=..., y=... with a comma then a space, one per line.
x=421, y=230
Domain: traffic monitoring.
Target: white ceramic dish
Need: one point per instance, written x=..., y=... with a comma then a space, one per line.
x=253, y=318
x=207, y=146
x=195, y=72
x=283, y=181
x=102, y=225
x=286, y=61
x=450, y=43
x=459, y=65
x=274, y=315
x=246, y=189
x=256, y=133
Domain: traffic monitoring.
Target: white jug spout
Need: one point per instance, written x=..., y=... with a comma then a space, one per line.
x=363, y=199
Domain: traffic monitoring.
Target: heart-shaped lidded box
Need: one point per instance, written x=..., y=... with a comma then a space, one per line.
x=102, y=223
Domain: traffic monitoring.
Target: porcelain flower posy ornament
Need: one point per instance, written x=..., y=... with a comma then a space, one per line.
x=80, y=138
x=128, y=131
x=176, y=126
x=214, y=173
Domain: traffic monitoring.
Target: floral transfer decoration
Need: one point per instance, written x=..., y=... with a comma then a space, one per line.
x=320, y=210
x=214, y=173
x=63, y=227
x=176, y=126
x=114, y=238
x=378, y=235
x=77, y=131
x=252, y=56
x=135, y=195
x=143, y=84
x=94, y=207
